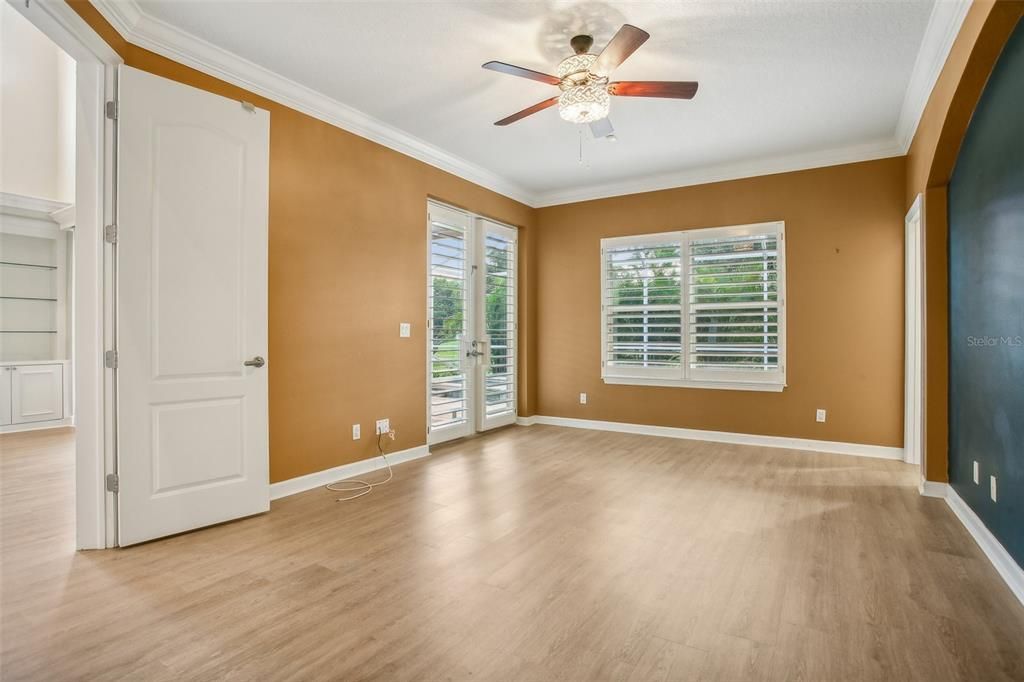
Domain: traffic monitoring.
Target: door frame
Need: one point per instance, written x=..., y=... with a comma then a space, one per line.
x=476, y=384
x=95, y=84
x=914, y=347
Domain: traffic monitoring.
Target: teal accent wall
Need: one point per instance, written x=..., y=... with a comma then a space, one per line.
x=986, y=280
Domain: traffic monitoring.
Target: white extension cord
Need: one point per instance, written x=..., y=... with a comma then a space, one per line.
x=358, y=486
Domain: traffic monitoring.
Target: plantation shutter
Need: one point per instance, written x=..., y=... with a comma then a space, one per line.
x=499, y=321
x=642, y=290
x=733, y=277
x=447, y=302
x=701, y=308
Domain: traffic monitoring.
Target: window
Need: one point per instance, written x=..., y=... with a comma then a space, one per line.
x=699, y=308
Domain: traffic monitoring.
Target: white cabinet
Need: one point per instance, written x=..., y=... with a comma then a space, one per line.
x=31, y=393
x=5, y=396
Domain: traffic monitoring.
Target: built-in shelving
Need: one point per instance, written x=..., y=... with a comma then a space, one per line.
x=41, y=266
x=34, y=315
x=26, y=298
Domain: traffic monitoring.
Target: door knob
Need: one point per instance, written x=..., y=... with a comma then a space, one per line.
x=255, y=362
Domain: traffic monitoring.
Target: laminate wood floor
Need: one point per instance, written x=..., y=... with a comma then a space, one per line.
x=533, y=553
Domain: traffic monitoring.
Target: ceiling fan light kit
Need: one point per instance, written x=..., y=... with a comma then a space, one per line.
x=584, y=103
x=583, y=80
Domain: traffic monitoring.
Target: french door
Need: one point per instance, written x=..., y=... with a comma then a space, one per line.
x=471, y=322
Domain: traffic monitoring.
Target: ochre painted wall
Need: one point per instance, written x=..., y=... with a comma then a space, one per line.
x=844, y=260
x=347, y=264
x=345, y=211
x=930, y=163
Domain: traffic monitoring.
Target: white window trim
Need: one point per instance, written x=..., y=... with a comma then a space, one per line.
x=738, y=381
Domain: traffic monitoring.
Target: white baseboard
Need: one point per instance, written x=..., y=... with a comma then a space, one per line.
x=830, y=446
x=933, y=489
x=1009, y=571
x=38, y=426
x=1004, y=564
x=318, y=479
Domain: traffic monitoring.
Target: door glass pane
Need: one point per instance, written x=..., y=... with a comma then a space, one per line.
x=448, y=290
x=499, y=324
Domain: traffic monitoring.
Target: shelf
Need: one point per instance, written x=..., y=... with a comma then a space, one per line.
x=28, y=331
x=26, y=298
x=29, y=265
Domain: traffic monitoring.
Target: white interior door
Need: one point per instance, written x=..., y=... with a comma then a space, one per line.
x=193, y=172
x=471, y=312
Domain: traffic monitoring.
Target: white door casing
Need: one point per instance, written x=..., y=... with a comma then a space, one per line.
x=913, y=404
x=193, y=170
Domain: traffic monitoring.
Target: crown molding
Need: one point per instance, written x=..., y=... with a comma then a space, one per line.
x=940, y=33
x=169, y=41
x=155, y=35
x=880, y=149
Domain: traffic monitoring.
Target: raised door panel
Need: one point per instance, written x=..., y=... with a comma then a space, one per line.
x=37, y=393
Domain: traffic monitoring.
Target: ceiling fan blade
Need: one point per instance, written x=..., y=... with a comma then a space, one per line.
x=540, y=106
x=602, y=128
x=622, y=44
x=502, y=67
x=671, y=89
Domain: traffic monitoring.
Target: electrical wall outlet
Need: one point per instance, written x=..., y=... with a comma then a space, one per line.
x=383, y=426
x=404, y=329
x=355, y=432
x=992, y=488
x=820, y=415
x=975, y=472
x=583, y=398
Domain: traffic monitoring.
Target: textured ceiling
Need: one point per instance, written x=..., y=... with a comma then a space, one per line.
x=776, y=78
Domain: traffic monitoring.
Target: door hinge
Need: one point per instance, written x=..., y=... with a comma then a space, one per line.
x=113, y=483
x=111, y=109
x=110, y=234
x=110, y=359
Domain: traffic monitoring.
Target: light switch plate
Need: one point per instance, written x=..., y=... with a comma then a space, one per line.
x=992, y=488
x=820, y=415
x=975, y=472
x=583, y=398
x=355, y=432
x=404, y=329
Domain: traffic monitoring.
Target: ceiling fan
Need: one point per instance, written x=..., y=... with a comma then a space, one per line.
x=583, y=80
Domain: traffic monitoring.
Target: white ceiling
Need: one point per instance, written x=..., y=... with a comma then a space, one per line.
x=782, y=84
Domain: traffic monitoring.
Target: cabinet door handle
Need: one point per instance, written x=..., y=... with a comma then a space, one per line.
x=255, y=362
